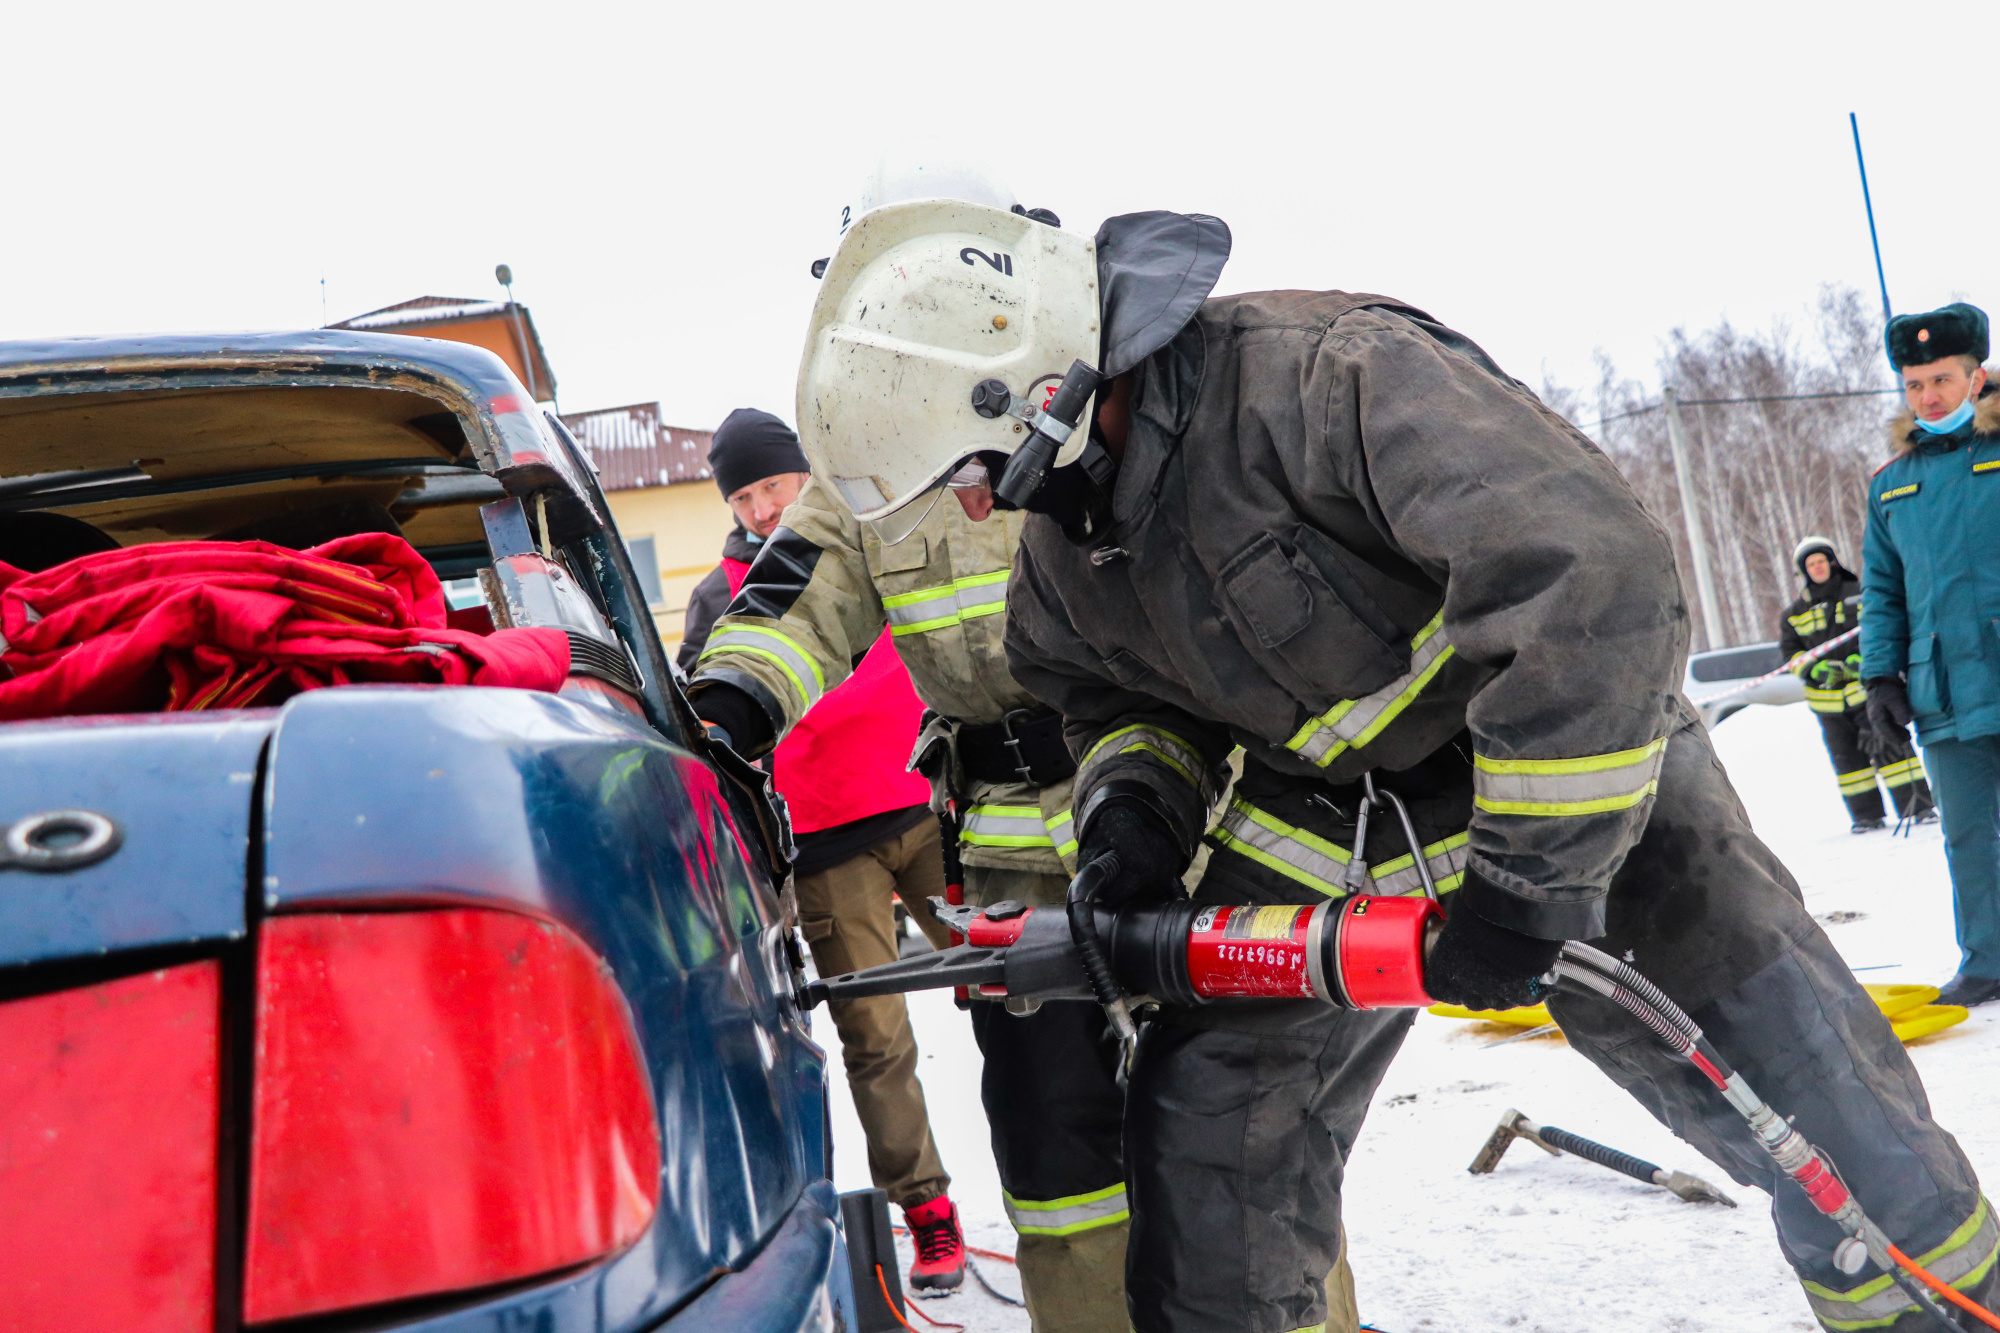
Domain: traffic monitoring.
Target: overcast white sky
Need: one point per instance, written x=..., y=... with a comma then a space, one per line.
x=1549, y=179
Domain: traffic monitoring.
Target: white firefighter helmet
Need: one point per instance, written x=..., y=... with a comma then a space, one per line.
x=925, y=171
x=922, y=302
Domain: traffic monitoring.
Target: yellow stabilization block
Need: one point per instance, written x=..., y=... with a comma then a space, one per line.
x=1908, y=1009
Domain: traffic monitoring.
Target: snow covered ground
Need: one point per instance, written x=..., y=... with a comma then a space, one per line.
x=1556, y=1245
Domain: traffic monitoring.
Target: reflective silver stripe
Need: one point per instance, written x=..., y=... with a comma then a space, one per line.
x=1965, y=1258
x=1587, y=785
x=772, y=646
x=1062, y=832
x=938, y=608
x=1005, y=826
x=1319, y=864
x=1066, y=1217
x=1352, y=723
x=1168, y=748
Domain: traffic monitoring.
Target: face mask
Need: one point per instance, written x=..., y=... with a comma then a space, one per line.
x=1953, y=420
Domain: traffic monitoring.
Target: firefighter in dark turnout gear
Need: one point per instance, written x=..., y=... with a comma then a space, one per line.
x=1327, y=529
x=1830, y=608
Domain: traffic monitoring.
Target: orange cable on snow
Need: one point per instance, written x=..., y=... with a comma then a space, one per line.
x=1952, y=1294
x=883, y=1282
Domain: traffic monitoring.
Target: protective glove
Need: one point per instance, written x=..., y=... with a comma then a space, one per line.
x=1889, y=717
x=1150, y=860
x=1854, y=666
x=1483, y=966
x=740, y=721
x=1827, y=674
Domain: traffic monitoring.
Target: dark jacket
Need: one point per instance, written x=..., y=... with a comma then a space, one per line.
x=1827, y=611
x=710, y=597
x=1341, y=536
x=1930, y=585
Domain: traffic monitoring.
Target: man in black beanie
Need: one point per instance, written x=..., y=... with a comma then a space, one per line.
x=759, y=468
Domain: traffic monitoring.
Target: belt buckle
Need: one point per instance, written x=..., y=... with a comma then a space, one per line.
x=1013, y=743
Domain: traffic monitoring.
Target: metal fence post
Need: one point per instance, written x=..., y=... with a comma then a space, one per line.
x=1704, y=582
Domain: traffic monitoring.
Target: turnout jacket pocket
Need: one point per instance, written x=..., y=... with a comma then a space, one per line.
x=1317, y=644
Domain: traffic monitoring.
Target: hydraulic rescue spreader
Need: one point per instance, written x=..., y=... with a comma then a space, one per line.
x=1357, y=952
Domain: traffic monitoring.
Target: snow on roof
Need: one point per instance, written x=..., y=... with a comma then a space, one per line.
x=634, y=448
x=425, y=310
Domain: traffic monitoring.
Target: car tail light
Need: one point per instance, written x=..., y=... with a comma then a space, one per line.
x=107, y=1155
x=443, y=1100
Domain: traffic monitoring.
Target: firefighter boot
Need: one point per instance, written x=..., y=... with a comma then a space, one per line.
x=940, y=1246
x=1075, y=1283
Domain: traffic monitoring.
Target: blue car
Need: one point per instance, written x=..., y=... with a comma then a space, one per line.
x=389, y=1007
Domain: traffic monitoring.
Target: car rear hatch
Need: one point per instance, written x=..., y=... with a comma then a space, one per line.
x=122, y=890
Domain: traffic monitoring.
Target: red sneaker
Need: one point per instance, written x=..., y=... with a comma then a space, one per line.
x=940, y=1265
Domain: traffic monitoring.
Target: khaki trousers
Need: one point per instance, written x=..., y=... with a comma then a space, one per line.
x=847, y=914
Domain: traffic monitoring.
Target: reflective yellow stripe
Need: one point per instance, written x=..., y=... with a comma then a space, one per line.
x=773, y=646
x=1962, y=1261
x=1168, y=748
x=1826, y=701
x=1860, y=780
x=1306, y=858
x=1005, y=826
x=938, y=608
x=1903, y=773
x=1587, y=785
x=1353, y=723
x=1811, y=620
x=1066, y=1217
x=1062, y=832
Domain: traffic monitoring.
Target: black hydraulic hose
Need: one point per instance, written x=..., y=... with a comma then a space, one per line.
x=1083, y=927
x=1588, y=967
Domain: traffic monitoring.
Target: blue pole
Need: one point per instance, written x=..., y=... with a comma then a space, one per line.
x=1862, y=162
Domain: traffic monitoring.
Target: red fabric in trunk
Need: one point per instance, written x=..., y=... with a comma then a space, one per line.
x=179, y=626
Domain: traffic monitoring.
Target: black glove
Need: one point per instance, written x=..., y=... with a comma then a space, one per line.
x=1889, y=718
x=1483, y=966
x=1150, y=861
x=745, y=726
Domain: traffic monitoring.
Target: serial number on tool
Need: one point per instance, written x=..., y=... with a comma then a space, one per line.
x=1257, y=953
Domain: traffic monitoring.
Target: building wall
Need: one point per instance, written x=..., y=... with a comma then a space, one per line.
x=687, y=523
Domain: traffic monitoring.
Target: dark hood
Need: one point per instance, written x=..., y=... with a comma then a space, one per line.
x=1154, y=270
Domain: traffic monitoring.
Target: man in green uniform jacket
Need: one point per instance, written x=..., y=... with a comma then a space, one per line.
x=1930, y=621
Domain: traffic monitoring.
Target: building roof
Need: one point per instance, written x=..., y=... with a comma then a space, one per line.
x=633, y=447
x=455, y=319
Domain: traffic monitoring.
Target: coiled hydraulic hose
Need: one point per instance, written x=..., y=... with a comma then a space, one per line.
x=1599, y=973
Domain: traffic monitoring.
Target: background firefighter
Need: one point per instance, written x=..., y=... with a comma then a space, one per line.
x=1831, y=607
x=865, y=838
x=1328, y=529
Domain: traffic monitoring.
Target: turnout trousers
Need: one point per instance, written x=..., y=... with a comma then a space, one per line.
x=1243, y=1113
x=1968, y=787
x=1857, y=774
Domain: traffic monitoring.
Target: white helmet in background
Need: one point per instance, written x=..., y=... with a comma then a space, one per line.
x=923, y=303
x=929, y=172
x=903, y=174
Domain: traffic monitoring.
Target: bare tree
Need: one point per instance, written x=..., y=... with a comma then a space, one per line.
x=1776, y=456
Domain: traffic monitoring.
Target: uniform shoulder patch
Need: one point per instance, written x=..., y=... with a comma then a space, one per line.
x=1898, y=492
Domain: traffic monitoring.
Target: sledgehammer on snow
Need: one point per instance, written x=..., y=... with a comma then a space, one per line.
x=1555, y=1142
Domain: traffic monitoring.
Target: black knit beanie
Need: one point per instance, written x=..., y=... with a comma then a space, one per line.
x=749, y=446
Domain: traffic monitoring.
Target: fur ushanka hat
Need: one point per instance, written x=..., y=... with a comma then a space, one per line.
x=1956, y=330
